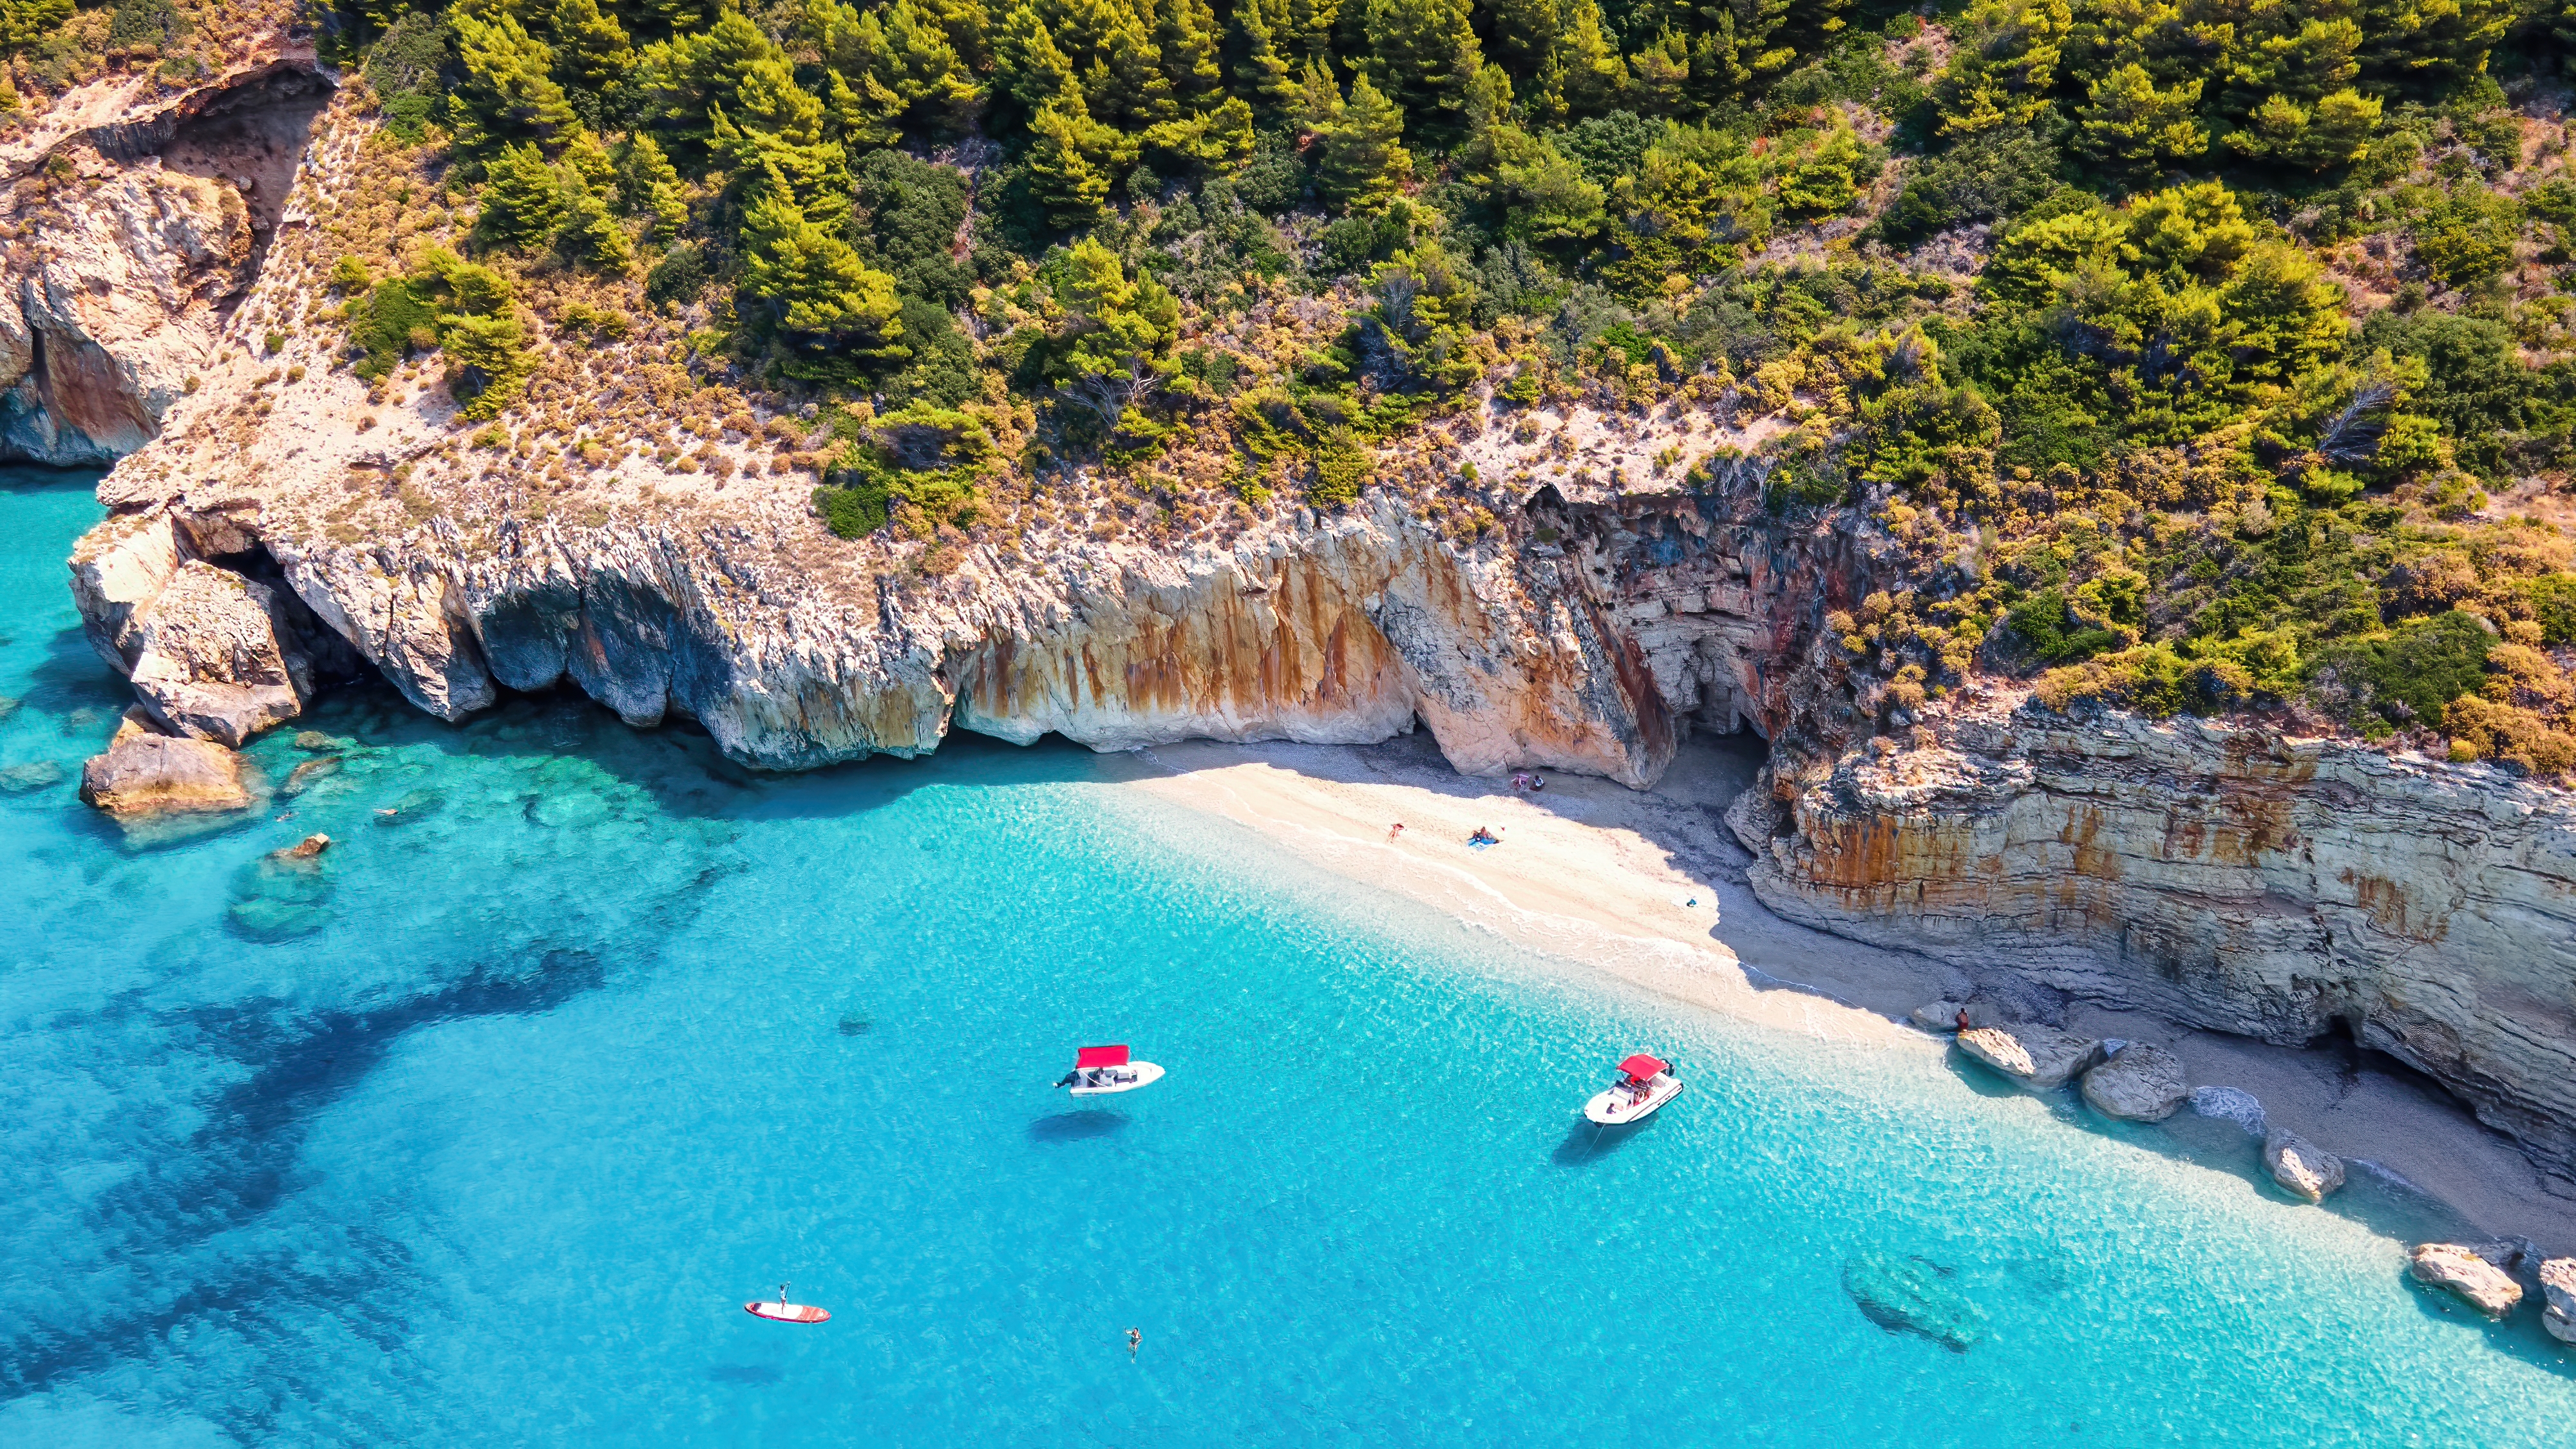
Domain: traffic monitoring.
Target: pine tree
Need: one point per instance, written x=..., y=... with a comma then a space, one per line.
x=1027, y=60
x=487, y=361
x=1319, y=102
x=1185, y=32
x=2433, y=40
x=1422, y=53
x=591, y=50
x=1659, y=77
x=683, y=82
x=1364, y=165
x=2130, y=125
x=1521, y=33
x=1308, y=29
x=508, y=94
x=818, y=290
x=1122, y=332
x=649, y=186
x=25, y=22
x=2005, y=65
x=522, y=199
x=922, y=66
x=1075, y=160
x=1594, y=78
x=590, y=235
x=1261, y=69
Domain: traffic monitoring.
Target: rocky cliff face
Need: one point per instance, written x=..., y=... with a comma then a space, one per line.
x=2223, y=876
x=135, y=227
x=1653, y=610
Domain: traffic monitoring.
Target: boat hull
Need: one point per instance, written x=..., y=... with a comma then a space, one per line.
x=1146, y=1074
x=1611, y=1109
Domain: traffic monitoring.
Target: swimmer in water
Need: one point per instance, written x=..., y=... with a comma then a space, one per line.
x=1135, y=1340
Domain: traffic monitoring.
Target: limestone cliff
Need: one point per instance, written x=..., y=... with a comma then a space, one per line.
x=134, y=227
x=2220, y=874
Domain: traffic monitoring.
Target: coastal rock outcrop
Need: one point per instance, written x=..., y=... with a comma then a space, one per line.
x=136, y=239
x=209, y=662
x=2033, y=1058
x=146, y=774
x=2301, y=1167
x=2558, y=1287
x=2143, y=1083
x=2220, y=875
x=2467, y=1273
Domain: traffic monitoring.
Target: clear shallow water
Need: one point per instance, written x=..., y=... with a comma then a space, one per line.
x=484, y=1135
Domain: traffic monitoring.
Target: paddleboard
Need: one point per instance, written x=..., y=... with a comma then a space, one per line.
x=777, y=1312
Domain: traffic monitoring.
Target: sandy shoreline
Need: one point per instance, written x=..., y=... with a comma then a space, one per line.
x=1649, y=887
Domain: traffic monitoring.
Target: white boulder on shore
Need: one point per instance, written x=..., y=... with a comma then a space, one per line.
x=2558, y=1286
x=2301, y=1167
x=2478, y=1282
x=2033, y=1058
x=2142, y=1083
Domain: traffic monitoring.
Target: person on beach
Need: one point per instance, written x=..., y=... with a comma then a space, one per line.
x=1963, y=1018
x=1393, y=831
x=1134, y=1341
x=1484, y=836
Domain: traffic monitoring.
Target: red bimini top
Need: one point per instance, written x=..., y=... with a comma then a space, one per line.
x=1642, y=1066
x=1108, y=1056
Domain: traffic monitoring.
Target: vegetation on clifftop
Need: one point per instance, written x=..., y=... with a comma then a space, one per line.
x=2207, y=356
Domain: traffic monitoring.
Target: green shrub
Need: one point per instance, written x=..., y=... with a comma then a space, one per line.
x=852, y=512
x=1341, y=469
x=391, y=319
x=2407, y=676
x=2466, y=237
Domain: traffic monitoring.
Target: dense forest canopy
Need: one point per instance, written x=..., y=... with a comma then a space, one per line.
x=2207, y=355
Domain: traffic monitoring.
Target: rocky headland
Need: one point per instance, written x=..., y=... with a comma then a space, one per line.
x=278, y=523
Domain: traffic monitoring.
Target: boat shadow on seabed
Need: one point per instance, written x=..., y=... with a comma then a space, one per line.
x=1585, y=1142
x=1078, y=1126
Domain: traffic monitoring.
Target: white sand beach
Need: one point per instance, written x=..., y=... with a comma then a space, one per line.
x=1650, y=887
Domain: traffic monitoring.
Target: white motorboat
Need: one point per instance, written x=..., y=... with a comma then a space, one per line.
x=1101, y=1070
x=1644, y=1084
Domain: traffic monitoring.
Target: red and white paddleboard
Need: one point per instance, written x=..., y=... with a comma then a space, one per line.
x=783, y=1311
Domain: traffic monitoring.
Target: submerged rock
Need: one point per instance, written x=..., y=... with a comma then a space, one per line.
x=318, y=743
x=567, y=809
x=2033, y=1058
x=35, y=775
x=8, y=706
x=283, y=894
x=2465, y=1271
x=2558, y=1286
x=1906, y=1294
x=309, y=774
x=2300, y=1166
x=148, y=774
x=2143, y=1083
x=417, y=805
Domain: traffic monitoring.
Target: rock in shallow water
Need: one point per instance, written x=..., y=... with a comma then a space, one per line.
x=2033, y=1058
x=2144, y=1083
x=282, y=895
x=2481, y=1284
x=35, y=775
x=2301, y=1167
x=307, y=775
x=148, y=774
x=2558, y=1285
x=1904, y=1294
x=2230, y=1104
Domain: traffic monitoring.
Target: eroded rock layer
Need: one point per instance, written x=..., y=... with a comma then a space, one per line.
x=2219, y=875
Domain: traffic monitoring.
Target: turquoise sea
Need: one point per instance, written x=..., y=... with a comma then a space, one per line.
x=484, y=1135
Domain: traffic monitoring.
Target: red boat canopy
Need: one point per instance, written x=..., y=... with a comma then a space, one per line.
x=1108, y=1056
x=1642, y=1066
